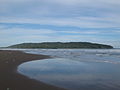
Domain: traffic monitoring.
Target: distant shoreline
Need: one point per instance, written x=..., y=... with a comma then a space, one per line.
x=9, y=78
x=62, y=45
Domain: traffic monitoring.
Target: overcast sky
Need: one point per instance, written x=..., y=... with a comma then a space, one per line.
x=60, y=20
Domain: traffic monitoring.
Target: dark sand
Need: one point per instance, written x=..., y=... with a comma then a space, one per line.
x=11, y=80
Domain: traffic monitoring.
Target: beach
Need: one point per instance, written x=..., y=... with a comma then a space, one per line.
x=11, y=80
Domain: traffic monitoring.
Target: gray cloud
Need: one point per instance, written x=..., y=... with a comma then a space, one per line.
x=79, y=13
x=70, y=13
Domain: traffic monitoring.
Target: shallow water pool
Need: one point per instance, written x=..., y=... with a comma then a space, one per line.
x=72, y=74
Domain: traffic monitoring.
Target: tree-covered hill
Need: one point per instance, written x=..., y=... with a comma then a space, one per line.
x=61, y=45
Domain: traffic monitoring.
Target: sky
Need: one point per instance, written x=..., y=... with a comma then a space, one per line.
x=23, y=21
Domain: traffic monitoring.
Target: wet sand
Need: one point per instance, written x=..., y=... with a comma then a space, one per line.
x=11, y=80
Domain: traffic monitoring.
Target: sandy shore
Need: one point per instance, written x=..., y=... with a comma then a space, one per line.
x=11, y=80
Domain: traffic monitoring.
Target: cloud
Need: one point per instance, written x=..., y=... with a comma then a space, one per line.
x=79, y=13
x=22, y=31
x=2, y=27
x=102, y=15
x=76, y=22
x=91, y=32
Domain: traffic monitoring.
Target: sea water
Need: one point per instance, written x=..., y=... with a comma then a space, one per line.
x=76, y=69
x=89, y=55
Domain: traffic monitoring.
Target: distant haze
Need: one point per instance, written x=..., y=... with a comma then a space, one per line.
x=24, y=21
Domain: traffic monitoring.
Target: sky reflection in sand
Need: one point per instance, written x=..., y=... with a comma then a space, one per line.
x=72, y=74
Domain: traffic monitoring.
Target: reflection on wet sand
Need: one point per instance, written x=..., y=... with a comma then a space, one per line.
x=74, y=75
